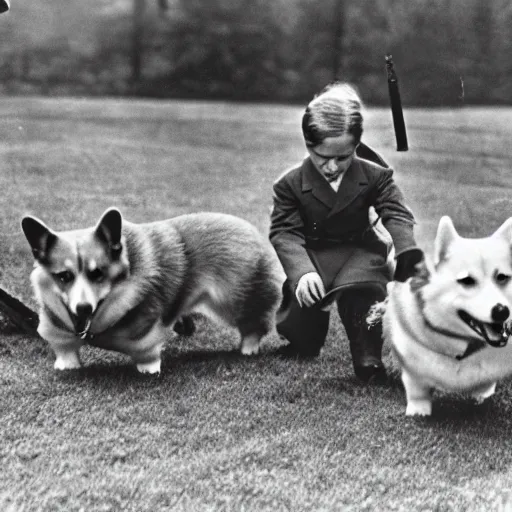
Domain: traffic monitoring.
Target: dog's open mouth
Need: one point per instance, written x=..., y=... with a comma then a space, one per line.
x=494, y=333
x=82, y=325
x=82, y=321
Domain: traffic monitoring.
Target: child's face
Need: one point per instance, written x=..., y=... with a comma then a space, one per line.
x=334, y=155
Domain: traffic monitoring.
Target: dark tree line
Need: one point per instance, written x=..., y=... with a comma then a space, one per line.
x=445, y=51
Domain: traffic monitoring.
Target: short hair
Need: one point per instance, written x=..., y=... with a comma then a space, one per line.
x=336, y=110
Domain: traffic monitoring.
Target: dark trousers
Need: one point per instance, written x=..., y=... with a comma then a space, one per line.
x=306, y=328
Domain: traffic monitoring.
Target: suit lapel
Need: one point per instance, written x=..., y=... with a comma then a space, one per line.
x=352, y=184
x=314, y=181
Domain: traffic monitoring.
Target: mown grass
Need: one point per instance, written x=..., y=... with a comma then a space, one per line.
x=217, y=431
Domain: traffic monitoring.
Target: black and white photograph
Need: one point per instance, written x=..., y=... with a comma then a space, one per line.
x=256, y=256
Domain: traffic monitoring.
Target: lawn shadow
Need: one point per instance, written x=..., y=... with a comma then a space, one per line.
x=458, y=410
x=98, y=371
x=178, y=361
x=173, y=359
x=102, y=366
x=460, y=417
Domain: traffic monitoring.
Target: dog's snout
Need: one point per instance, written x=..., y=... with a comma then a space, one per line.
x=500, y=313
x=83, y=309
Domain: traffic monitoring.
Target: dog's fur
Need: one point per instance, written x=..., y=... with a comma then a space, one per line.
x=120, y=285
x=427, y=320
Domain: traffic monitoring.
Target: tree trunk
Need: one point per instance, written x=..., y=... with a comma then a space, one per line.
x=337, y=47
x=139, y=6
x=483, y=30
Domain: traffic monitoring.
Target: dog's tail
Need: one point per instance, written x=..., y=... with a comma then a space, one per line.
x=376, y=312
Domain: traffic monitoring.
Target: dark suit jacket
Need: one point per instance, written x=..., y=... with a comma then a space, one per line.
x=314, y=228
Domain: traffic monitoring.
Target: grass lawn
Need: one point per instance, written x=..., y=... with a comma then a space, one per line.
x=216, y=431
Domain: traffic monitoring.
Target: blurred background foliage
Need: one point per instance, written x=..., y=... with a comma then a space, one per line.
x=445, y=51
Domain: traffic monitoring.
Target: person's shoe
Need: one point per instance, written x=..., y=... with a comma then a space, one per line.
x=373, y=371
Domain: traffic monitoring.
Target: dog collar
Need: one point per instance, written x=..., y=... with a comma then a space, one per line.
x=55, y=319
x=473, y=345
x=84, y=334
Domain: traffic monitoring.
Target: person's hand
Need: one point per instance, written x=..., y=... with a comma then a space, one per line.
x=406, y=264
x=310, y=289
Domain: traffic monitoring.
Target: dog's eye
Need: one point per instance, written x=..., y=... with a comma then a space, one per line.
x=65, y=277
x=96, y=275
x=467, y=281
x=502, y=278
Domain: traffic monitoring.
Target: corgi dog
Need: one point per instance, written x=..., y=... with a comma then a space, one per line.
x=120, y=285
x=448, y=325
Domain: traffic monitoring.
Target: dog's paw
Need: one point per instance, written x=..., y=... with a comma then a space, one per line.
x=250, y=346
x=153, y=367
x=419, y=408
x=480, y=395
x=250, y=351
x=69, y=361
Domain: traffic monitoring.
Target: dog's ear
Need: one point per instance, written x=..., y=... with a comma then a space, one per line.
x=109, y=231
x=446, y=234
x=505, y=231
x=40, y=237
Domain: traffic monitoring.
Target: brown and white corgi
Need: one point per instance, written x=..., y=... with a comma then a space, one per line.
x=120, y=285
